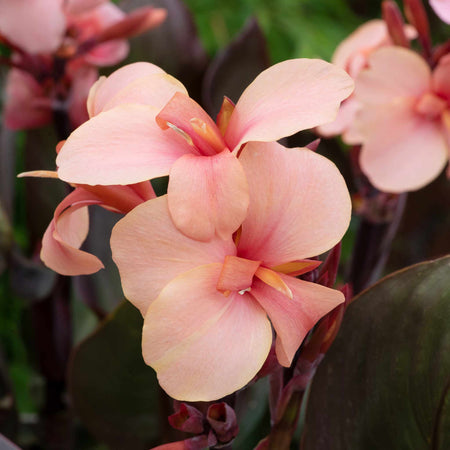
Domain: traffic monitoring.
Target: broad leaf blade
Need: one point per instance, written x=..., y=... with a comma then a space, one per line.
x=384, y=384
x=112, y=390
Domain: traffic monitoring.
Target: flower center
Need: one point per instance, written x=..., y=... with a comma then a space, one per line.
x=431, y=106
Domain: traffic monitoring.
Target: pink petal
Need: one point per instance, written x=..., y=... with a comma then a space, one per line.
x=299, y=204
x=106, y=88
x=81, y=6
x=149, y=251
x=409, y=75
x=441, y=76
x=237, y=274
x=35, y=26
x=119, y=146
x=364, y=39
x=65, y=234
x=26, y=105
x=288, y=97
x=442, y=9
x=402, y=151
x=293, y=318
x=208, y=195
x=154, y=90
x=181, y=111
x=343, y=121
x=202, y=344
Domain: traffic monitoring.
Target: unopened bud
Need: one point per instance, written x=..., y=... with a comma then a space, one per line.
x=394, y=22
x=222, y=419
x=188, y=419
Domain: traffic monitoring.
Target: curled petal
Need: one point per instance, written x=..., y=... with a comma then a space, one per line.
x=35, y=26
x=120, y=146
x=208, y=195
x=106, y=88
x=149, y=251
x=300, y=206
x=202, y=344
x=65, y=234
x=409, y=76
x=288, y=97
x=292, y=318
x=402, y=151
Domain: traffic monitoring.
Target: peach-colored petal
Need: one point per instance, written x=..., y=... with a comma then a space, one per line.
x=106, y=88
x=154, y=90
x=299, y=204
x=237, y=274
x=343, y=121
x=149, y=251
x=288, y=97
x=81, y=6
x=208, y=195
x=202, y=344
x=26, y=105
x=365, y=38
x=36, y=26
x=402, y=151
x=293, y=318
x=441, y=77
x=409, y=75
x=65, y=234
x=184, y=113
x=119, y=146
x=442, y=9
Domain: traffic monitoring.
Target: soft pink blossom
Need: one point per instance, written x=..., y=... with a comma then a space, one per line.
x=404, y=119
x=442, y=9
x=209, y=307
x=144, y=125
x=352, y=55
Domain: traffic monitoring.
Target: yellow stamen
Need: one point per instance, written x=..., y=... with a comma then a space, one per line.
x=39, y=174
x=223, y=118
x=295, y=268
x=274, y=280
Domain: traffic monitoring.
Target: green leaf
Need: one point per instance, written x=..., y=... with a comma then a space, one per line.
x=114, y=393
x=385, y=382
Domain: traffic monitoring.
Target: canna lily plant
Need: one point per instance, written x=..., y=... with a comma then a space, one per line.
x=144, y=125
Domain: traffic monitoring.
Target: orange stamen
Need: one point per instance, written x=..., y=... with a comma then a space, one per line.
x=223, y=118
x=296, y=268
x=208, y=134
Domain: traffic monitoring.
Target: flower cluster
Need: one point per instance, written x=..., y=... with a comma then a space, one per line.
x=56, y=48
x=213, y=264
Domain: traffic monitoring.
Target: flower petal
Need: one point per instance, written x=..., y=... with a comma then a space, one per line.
x=442, y=9
x=288, y=97
x=81, y=6
x=35, y=26
x=202, y=344
x=409, y=75
x=149, y=251
x=65, y=234
x=402, y=151
x=299, y=204
x=208, y=195
x=440, y=77
x=154, y=90
x=293, y=318
x=119, y=146
x=106, y=88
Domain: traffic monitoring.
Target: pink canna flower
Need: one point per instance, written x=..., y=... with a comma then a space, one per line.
x=404, y=120
x=352, y=56
x=442, y=9
x=144, y=125
x=209, y=307
x=70, y=225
